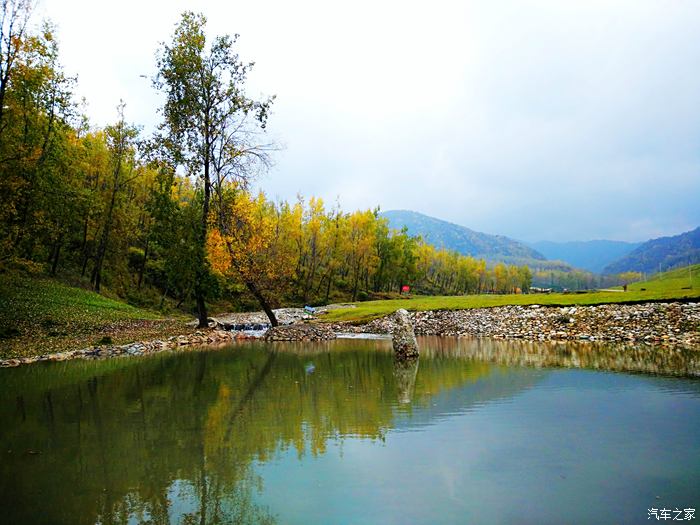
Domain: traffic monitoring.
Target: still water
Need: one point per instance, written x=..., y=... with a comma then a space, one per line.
x=477, y=431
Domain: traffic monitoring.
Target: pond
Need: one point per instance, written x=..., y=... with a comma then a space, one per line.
x=478, y=431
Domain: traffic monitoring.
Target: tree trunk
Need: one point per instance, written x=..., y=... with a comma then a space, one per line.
x=104, y=239
x=56, y=253
x=263, y=302
x=83, y=248
x=143, y=265
x=201, y=273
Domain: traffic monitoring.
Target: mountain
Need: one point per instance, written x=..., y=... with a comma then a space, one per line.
x=660, y=254
x=445, y=234
x=588, y=255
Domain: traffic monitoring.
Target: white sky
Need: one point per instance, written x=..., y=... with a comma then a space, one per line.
x=556, y=120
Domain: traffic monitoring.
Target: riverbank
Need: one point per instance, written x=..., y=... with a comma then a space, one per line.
x=666, y=323
x=193, y=340
x=39, y=316
x=678, y=285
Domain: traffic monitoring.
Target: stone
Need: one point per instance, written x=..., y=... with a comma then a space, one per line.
x=403, y=336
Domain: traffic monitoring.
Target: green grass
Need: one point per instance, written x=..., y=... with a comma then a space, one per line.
x=662, y=287
x=681, y=280
x=43, y=301
x=40, y=315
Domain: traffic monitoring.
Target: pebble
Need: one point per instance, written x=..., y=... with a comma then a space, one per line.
x=670, y=324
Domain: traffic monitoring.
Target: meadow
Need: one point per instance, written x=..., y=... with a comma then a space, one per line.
x=680, y=284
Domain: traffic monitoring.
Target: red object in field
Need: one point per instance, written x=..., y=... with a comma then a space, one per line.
x=405, y=289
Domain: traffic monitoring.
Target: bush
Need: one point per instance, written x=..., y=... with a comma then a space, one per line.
x=135, y=257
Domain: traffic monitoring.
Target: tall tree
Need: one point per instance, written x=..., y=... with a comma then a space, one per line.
x=35, y=137
x=120, y=140
x=210, y=127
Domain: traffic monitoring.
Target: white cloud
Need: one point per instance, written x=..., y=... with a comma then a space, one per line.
x=536, y=119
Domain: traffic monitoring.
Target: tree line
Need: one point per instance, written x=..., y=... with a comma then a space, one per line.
x=169, y=218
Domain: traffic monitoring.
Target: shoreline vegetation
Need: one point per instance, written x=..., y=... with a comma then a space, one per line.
x=43, y=320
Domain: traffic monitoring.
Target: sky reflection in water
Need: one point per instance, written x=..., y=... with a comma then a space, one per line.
x=477, y=431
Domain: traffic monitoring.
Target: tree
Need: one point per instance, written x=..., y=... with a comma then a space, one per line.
x=210, y=127
x=120, y=138
x=14, y=17
x=251, y=246
x=35, y=137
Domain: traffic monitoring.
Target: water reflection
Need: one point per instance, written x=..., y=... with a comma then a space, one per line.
x=405, y=372
x=597, y=356
x=174, y=438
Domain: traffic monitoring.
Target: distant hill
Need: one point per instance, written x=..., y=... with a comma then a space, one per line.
x=587, y=255
x=660, y=254
x=445, y=234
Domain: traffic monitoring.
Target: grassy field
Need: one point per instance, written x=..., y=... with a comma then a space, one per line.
x=40, y=315
x=675, y=284
x=681, y=280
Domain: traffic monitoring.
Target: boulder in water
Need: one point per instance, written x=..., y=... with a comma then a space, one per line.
x=403, y=336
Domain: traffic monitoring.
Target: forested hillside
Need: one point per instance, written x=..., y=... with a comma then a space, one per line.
x=660, y=254
x=167, y=219
x=556, y=274
x=443, y=234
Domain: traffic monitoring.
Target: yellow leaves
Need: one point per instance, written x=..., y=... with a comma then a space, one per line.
x=218, y=415
x=302, y=250
x=255, y=241
x=217, y=252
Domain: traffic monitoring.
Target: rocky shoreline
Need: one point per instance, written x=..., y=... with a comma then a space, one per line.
x=669, y=324
x=196, y=339
x=666, y=323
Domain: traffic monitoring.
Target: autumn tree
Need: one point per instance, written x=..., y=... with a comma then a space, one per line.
x=252, y=246
x=35, y=138
x=210, y=126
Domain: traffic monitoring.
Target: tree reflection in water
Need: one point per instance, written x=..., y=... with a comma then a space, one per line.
x=643, y=358
x=174, y=438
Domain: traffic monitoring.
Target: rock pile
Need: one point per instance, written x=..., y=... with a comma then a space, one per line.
x=300, y=332
x=674, y=323
x=258, y=320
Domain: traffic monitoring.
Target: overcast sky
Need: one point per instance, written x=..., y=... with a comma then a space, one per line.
x=556, y=120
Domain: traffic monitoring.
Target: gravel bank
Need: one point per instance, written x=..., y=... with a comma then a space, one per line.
x=673, y=323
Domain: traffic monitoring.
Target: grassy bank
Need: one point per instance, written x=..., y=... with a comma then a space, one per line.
x=681, y=280
x=671, y=285
x=39, y=315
